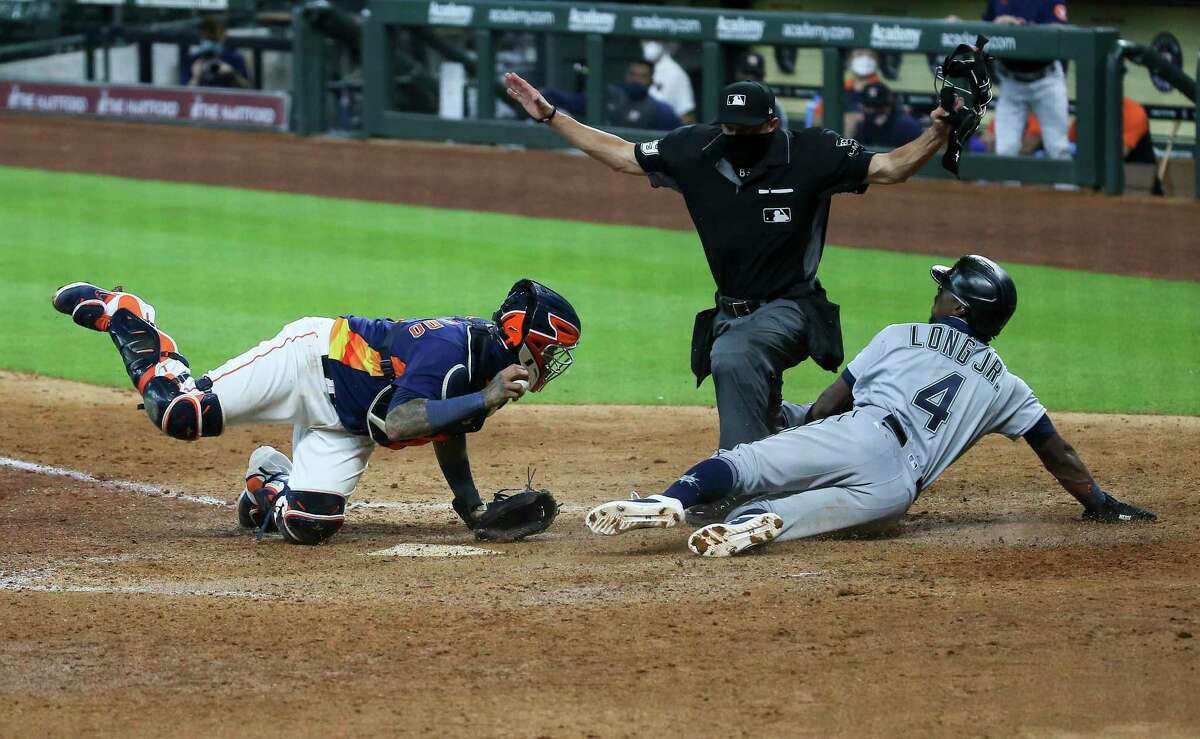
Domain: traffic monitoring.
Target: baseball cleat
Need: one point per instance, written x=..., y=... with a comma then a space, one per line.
x=702, y=514
x=266, y=476
x=619, y=516
x=92, y=307
x=742, y=533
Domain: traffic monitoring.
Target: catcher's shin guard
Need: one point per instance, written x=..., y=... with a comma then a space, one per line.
x=142, y=346
x=304, y=517
x=172, y=399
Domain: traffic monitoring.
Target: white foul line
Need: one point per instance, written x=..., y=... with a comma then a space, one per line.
x=136, y=487
x=160, y=492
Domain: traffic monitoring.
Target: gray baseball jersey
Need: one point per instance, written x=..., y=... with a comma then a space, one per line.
x=947, y=388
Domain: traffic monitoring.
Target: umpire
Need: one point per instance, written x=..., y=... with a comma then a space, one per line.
x=759, y=197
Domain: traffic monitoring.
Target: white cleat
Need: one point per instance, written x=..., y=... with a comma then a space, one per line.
x=619, y=516
x=728, y=539
x=266, y=464
x=266, y=461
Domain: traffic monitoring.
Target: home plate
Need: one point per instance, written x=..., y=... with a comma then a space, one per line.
x=431, y=550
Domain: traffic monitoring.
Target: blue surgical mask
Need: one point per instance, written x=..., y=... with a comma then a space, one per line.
x=635, y=90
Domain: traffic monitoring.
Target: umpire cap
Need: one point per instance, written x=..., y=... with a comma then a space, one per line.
x=747, y=103
x=984, y=288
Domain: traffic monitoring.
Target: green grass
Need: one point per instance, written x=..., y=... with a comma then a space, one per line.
x=226, y=268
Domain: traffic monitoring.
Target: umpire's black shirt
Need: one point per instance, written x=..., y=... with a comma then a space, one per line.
x=763, y=229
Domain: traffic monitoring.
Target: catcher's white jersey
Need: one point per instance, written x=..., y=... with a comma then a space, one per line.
x=947, y=389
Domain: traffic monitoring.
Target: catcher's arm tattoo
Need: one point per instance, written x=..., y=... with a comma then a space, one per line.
x=903, y=162
x=408, y=421
x=417, y=418
x=604, y=147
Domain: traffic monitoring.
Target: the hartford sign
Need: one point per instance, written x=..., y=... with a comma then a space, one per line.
x=207, y=106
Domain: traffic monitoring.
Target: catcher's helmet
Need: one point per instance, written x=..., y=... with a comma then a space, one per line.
x=541, y=328
x=984, y=288
x=963, y=76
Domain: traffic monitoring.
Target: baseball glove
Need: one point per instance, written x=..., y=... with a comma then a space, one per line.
x=514, y=514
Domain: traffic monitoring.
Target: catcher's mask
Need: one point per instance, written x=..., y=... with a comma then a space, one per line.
x=541, y=328
x=989, y=294
x=963, y=75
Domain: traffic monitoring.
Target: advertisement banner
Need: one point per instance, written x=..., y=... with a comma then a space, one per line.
x=206, y=106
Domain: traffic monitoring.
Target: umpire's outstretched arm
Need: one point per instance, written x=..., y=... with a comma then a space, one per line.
x=898, y=165
x=613, y=151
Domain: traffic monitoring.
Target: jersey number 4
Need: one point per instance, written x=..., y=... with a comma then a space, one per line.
x=937, y=398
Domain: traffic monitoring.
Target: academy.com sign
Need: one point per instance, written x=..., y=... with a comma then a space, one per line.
x=517, y=17
x=812, y=31
x=590, y=21
x=665, y=26
x=894, y=37
x=740, y=29
x=450, y=14
x=995, y=43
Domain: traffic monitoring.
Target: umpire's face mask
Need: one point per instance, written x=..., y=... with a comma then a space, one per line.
x=748, y=149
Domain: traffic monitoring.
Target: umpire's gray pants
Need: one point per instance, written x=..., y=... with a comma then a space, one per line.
x=842, y=472
x=749, y=355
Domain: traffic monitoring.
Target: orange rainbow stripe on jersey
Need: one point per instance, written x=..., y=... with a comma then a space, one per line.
x=352, y=350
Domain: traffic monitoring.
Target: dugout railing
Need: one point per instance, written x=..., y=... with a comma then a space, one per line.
x=598, y=25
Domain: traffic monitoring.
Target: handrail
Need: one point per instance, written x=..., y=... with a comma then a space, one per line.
x=595, y=24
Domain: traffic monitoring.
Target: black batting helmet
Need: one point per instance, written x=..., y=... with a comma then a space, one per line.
x=984, y=288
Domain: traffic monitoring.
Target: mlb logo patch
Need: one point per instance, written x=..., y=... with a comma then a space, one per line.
x=650, y=147
x=777, y=215
x=854, y=146
x=736, y=100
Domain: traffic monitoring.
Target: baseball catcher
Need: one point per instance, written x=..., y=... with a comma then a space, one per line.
x=348, y=385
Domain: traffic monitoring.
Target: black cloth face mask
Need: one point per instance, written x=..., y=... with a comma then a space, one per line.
x=746, y=150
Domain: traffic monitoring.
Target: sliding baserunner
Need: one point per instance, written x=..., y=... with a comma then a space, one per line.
x=913, y=401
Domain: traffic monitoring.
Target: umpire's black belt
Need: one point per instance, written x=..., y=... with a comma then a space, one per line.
x=893, y=423
x=738, y=308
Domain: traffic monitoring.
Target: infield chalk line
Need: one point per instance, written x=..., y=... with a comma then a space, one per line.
x=423, y=505
x=159, y=491
x=35, y=580
x=135, y=487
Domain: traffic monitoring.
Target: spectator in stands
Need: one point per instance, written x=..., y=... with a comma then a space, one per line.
x=628, y=104
x=753, y=66
x=213, y=64
x=863, y=65
x=1135, y=140
x=884, y=124
x=1037, y=86
x=632, y=106
x=671, y=82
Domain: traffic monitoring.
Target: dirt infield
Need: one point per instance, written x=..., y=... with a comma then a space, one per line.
x=130, y=603
x=1129, y=235
x=992, y=611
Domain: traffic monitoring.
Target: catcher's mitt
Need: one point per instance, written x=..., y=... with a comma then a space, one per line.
x=515, y=514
